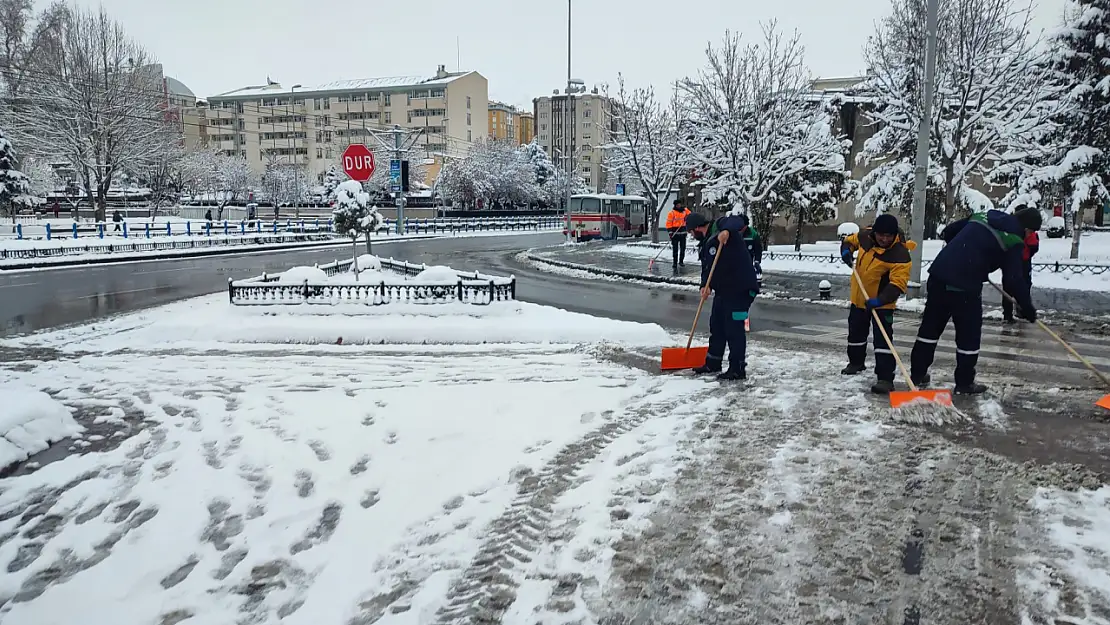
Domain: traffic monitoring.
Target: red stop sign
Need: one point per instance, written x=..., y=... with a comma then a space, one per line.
x=358, y=162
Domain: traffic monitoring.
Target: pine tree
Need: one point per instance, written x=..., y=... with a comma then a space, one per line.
x=14, y=186
x=332, y=179
x=1082, y=63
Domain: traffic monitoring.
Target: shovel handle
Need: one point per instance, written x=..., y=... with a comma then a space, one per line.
x=701, y=300
x=886, y=337
x=1071, y=350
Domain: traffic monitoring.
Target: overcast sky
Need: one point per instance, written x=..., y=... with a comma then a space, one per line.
x=219, y=45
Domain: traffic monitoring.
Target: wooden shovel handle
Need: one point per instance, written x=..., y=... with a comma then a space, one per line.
x=701, y=300
x=1071, y=350
x=886, y=337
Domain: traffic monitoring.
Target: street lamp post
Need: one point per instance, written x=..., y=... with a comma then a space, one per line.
x=296, y=173
x=921, y=166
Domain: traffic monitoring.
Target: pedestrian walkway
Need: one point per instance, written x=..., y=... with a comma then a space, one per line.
x=1022, y=342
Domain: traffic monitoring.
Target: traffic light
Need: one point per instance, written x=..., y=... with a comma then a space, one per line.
x=405, y=176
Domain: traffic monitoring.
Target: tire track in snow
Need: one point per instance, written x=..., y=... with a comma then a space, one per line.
x=487, y=587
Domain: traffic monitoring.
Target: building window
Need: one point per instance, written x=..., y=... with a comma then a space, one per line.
x=388, y=117
x=469, y=136
x=437, y=93
x=587, y=137
x=468, y=103
x=343, y=98
x=327, y=103
x=319, y=152
x=386, y=98
x=358, y=97
x=328, y=153
x=468, y=119
x=586, y=159
x=586, y=113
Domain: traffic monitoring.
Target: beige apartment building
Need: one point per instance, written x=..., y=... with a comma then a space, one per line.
x=592, y=128
x=311, y=125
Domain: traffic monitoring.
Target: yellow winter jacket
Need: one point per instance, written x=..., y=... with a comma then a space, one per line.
x=885, y=272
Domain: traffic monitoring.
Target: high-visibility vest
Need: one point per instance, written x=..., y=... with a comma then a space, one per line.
x=677, y=219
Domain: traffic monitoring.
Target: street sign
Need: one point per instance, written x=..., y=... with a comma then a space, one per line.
x=620, y=189
x=395, y=175
x=358, y=162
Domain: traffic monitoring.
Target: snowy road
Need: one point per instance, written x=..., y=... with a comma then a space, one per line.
x=500, y=485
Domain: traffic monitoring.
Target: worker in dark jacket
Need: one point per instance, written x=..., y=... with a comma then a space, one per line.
x=975, y=248
x=1032, y=246
x=676, y=229
x=755, y=248
x=735, y=287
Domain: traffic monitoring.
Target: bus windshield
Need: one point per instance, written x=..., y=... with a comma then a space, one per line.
x=585, y=205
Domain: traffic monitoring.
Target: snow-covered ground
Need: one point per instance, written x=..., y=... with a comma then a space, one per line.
x=1094, y=250
x=509, y=473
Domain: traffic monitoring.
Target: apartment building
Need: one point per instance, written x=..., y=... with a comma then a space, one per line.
x=311, y=125
x=526, y=128
x=592, y=127
x=503, y=121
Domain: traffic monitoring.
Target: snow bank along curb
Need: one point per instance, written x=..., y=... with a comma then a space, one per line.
x=404, y=283
x=99, y=259
x=30, y=421
x=551, y=265
x=1057, y=266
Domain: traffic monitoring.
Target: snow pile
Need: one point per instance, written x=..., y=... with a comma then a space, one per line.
x=29, y=421
x=367, y=262
x=437, y=273
x=847, y=229
x=299, y=275
x=210, y=322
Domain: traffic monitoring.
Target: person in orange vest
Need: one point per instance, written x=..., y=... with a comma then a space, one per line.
x=676, y=228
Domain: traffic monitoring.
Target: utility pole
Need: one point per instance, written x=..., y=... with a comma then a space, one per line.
x=568, y=121
x=921, y=167
x=397, y=155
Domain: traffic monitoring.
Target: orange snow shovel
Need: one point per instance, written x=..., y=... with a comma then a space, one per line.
x=1102, y=403
x=677, y=358
x=914, y=395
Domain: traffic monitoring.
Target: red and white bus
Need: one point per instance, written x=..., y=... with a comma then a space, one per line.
x=599, y=216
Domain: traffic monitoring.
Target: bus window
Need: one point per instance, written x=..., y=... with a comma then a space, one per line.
x=590, y=205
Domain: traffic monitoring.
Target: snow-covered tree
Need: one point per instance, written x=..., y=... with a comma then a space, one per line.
x=991, y=106
x=43, y=178
x=282, y=182
x=355, y=216
x=751, y=124
x=1080, y=168
x=333, y=177
x=95, y=103
x=647, y=148
x=496, y=172
x=216, y=177
x=27, y=42
x=14, y=185
x=381, y=184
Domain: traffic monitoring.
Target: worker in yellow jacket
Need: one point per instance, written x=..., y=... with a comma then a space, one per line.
x=881, y=255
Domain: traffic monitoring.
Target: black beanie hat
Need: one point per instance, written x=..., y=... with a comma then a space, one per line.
x=885, y=224
x=1029, y=218
x=677, y=203
x=695, y=220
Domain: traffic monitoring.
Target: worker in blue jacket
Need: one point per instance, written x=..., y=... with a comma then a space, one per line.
x=735, y=287
x=755, y=248
x=975, y=248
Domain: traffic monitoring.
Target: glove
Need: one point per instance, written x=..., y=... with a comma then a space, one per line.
x=758, y=271
x=847, y=258
x=874, y=302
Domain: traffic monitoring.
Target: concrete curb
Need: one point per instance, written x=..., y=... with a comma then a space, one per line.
x=126, y=257
x=667, y=280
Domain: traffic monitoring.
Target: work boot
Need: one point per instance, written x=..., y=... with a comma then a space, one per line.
x=882, y=387
x=708, y=367
x=733, y=374
x=922, y=381
x=1008, y=321
x=970, y=389
x=853, y=369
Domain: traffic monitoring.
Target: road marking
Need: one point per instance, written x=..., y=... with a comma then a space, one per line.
x=99, y=295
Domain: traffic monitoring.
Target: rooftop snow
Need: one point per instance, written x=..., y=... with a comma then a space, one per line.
x=387, y=82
